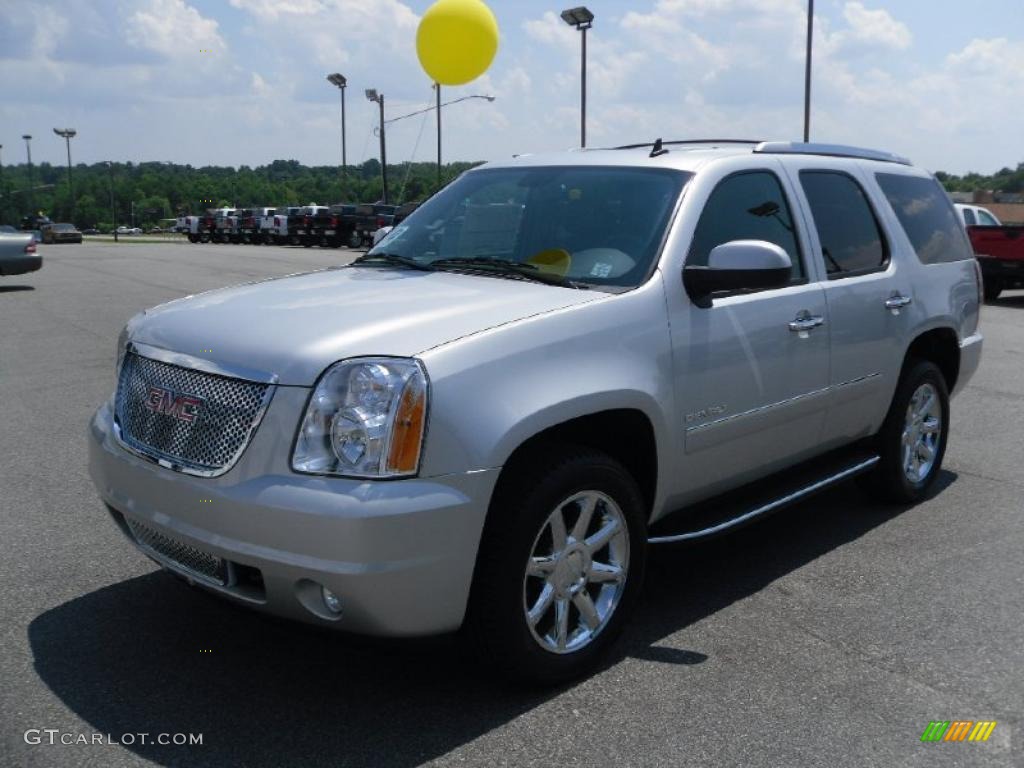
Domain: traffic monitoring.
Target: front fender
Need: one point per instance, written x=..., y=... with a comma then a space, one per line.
x=492, y=391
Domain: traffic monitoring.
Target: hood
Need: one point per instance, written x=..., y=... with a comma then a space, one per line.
x=296, y=326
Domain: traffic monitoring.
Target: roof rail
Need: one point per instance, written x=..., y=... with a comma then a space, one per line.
x=691, y=141
x=830, y=150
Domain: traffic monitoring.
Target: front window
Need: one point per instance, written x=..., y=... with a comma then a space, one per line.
x=597, y=226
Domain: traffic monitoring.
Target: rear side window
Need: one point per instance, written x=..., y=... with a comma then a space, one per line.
x=746, y=206
x=927, y=216
x=985, y=220
x=969, y=220
x=851, y=238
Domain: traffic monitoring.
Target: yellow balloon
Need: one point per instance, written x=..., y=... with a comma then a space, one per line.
x=456, y=41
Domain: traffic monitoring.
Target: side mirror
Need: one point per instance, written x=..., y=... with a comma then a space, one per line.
x=735, y=266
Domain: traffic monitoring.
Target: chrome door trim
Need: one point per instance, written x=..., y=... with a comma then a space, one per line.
x=760, y=409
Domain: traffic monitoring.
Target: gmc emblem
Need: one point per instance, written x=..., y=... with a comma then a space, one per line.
x=169, y=403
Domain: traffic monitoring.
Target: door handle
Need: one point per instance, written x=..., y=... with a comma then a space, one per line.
x=896, y=302
x=805, y=322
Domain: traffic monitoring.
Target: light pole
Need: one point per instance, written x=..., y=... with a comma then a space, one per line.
x=31, y=194
x=113, y=212
x=807, y=72
x=372, y=95
x=68, y=134
x=3, y=189
x=582, y=19
x=437, y=107
x=338, y=80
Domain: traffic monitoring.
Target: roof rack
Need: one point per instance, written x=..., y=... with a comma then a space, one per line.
x=830, y=150
x=691, y=141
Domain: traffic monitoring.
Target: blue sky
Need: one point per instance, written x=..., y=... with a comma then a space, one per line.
x=234, y=82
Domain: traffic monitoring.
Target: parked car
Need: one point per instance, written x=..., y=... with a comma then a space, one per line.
x=254, y=224
x=7, y=228
x=1000, y=252
x=557, y=362
x=90, y=231
x=283, y=217
x=18, y=254
x=333, y=227
x=123, y=230
x=300, y=224
x=62, y=233
x=975, y=215
x=369, y=218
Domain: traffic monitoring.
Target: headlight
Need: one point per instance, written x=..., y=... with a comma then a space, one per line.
x=366, y=418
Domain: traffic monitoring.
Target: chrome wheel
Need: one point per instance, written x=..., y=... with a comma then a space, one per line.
x=922, y=431
x=576, y=573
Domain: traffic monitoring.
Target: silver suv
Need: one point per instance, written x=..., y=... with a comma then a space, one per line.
x=553, y=364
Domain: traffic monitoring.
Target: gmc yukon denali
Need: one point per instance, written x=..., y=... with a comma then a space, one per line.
x=554, y=364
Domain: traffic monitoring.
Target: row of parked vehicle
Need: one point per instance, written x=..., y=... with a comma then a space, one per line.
x=329, y=226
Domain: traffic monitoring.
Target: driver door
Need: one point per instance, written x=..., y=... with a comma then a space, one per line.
x=751, y=370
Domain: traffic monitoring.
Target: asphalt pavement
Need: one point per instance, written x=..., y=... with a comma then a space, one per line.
x=830, y=634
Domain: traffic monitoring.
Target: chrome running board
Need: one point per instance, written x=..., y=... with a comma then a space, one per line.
x=763, y=509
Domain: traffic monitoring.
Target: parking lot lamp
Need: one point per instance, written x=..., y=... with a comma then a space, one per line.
x=581, y=18
x=372, y=95
x=68, y=134
x=31, y=194
x=340, y=82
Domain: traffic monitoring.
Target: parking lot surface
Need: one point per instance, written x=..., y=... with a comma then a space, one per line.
x=829, y=634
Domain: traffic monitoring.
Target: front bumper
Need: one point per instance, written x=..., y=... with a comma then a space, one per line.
x=399, y=554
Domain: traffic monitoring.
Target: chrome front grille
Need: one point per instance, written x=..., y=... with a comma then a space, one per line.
x=186, y=419
x=194, y=561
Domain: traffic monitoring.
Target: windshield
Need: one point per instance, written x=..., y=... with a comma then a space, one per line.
x=602, y=226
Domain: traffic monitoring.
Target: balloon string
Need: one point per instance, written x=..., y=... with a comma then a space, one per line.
x=416, y=146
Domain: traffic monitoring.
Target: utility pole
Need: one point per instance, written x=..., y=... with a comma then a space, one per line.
x=31, y=183
x=437, y=86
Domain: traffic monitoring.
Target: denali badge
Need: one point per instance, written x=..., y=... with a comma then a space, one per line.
x=169, y=403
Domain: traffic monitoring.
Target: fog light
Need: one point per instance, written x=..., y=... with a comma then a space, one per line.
x=331, y=600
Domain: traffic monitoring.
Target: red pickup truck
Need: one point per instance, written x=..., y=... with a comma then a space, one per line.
x=1000, y=251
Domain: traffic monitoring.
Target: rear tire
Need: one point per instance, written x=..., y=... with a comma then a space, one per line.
x=912, y=440
x=549, y=599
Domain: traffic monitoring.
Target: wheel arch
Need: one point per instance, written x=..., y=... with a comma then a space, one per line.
x=940, y=346
x=627, y=434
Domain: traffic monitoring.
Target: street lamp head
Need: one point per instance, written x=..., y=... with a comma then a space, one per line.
x=27, y=137
x=579, y=17
x=337, y=79
x=490, y=98
x=372, y=95
x=66, y=133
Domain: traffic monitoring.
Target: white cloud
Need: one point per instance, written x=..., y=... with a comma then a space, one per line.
x=874, y=28
x=174, y=29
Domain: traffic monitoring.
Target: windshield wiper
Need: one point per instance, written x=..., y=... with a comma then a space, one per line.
x=508, y=267
x=393, y=259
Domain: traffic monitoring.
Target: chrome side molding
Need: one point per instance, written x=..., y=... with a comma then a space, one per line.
x=845, y=474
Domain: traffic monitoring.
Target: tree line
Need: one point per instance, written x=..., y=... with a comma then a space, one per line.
x=141, y=194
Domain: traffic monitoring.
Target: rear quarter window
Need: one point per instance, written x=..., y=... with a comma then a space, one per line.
x=927, y=217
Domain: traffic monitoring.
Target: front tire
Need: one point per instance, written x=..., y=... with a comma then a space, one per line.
x=912, y=441
x=560, y=566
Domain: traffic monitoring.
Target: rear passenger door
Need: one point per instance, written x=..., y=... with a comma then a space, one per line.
x=868, y=293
